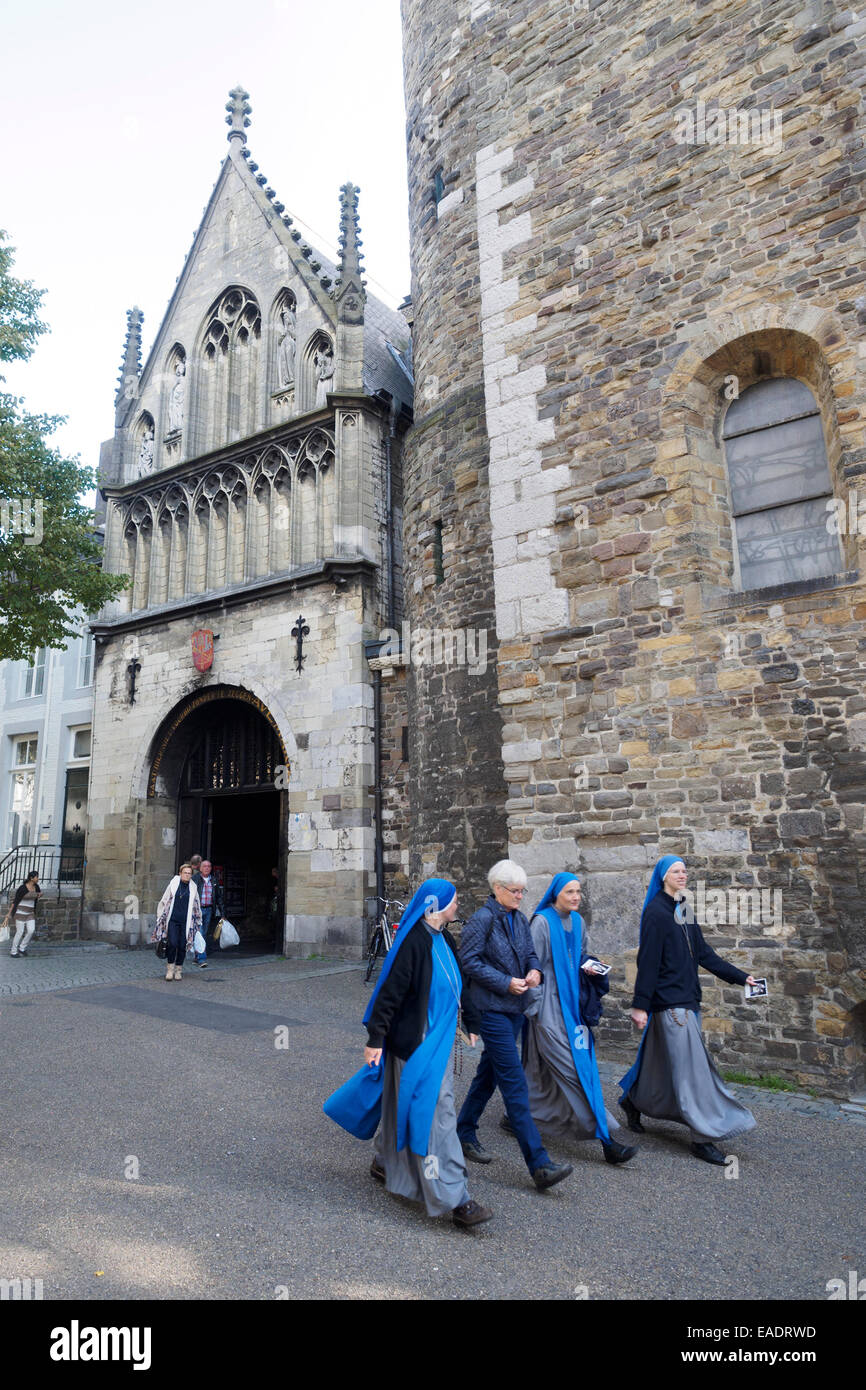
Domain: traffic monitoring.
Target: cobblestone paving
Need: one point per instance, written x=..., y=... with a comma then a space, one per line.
x=50, y=967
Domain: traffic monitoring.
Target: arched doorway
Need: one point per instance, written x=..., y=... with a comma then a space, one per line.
x=220, y=759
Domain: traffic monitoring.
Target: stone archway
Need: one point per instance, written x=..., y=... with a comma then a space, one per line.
x=217, y=783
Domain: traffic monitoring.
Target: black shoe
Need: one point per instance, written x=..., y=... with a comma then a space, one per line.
x=475, y=1152
x=377, y=1171
x=202, y=965
x=618, y=1153
x=470, y=1214
x=506, y=1124
x=632, y=1115
x=709, y=1153
x=553, y=1173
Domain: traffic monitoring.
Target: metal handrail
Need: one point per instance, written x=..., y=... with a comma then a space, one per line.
x=51, y=862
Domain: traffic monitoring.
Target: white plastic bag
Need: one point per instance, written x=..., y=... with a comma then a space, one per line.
x=228, y=935
x=4, y=932
x=199, y=944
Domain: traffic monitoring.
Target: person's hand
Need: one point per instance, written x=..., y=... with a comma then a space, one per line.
x=533, y=979
x=750, y=980
x=372, y=1056
x=638, y=1017
x=517, y=987
x=473, y=1038
x=591, y=967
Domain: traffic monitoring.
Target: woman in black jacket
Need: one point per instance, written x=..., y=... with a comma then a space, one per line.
x=22, y=914
x=411, y=1024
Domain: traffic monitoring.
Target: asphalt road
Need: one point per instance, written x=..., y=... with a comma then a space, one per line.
x=159, y=1141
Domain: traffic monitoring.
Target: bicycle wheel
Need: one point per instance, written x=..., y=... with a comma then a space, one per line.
x=372, y=952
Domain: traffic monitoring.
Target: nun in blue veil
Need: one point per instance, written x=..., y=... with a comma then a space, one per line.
x=405, y=1087
x=673, y=1077
x=565, y=1092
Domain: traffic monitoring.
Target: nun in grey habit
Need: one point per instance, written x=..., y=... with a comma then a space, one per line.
x=565, y=1094
x=405, y=1086
x=673, y=1077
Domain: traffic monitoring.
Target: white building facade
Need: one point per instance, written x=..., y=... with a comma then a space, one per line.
x=46, y=717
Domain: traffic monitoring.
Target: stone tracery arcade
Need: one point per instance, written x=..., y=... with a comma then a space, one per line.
x=219, y=524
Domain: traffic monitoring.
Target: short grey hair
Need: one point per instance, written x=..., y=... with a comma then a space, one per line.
x=507, y=874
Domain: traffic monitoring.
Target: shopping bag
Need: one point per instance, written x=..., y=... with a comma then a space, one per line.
x=228, y=935
x=199, y=944
x=217, y=929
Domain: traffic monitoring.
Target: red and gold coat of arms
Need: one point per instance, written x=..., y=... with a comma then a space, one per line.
x=202, y=649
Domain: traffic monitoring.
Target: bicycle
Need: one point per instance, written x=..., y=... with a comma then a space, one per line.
x=381, y=937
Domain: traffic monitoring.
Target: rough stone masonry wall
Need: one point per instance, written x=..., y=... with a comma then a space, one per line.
x=608, y=280
x=455, y=730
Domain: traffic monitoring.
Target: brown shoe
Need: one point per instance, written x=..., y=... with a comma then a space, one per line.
x=177, y=972
x=169, y=972
x=471, y=1214
x=377, y=1171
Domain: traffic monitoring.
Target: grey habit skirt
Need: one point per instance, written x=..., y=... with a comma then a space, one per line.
x=556, y=1098
x=439, y=1178
x=677, y=1081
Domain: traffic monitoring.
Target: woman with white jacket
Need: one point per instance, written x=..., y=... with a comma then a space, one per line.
x=178, y=919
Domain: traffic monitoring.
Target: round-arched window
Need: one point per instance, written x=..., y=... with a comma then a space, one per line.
x=780, y=485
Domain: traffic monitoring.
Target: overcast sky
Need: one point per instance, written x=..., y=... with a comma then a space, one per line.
x=115, y=134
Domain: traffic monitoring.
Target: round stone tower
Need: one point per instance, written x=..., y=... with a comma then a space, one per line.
x=626, y=220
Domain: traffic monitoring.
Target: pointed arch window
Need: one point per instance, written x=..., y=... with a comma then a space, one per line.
x=229, y=351
x=780, y=485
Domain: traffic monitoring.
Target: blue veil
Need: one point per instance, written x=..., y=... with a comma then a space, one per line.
x=433, y=895
x=357, y=1105
x=656, y=884
x=565, y=969
x=554, y=888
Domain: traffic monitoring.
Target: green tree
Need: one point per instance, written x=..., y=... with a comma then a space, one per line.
x=50, y=558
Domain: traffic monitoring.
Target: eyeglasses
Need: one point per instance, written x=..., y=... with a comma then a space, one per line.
x=517, y=892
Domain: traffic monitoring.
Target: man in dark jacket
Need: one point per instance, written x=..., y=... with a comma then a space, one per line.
x=498, y=958
x=212, y=903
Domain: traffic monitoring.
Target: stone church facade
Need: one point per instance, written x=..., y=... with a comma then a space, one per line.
x=638, y=454
x=252, y=492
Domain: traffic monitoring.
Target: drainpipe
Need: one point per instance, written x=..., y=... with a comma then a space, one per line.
x=389, y=513
x=371, y=652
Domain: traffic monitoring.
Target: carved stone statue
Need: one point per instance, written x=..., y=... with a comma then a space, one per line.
x=145, y=454
x=177, y=398
x=286, y=347
x=324, y=364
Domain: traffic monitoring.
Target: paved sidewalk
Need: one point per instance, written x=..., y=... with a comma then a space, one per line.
x=167, y=1140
